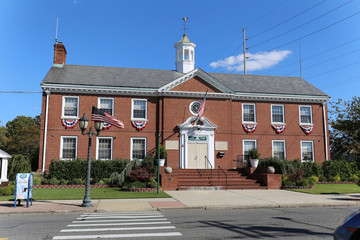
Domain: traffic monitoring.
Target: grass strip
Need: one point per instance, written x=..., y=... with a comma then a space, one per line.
x=331, y=189
x=95, y=193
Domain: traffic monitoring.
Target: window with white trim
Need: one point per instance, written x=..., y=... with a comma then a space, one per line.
x=248, y=112
x=107, y=105
x=279, y=149
x=139, y=109
x=247, y=146
x=277, y=114
x=305, y=115
x=307, y=151
x=70, y=107
x=138, y=148
x=68, y=147
x=104, y=148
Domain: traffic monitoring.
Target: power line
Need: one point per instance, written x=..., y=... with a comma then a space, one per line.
x=335, y=84
x=325, y=61
x=20, y=91
x=258, y=44
x=315, y=55
x=333, y=70
x=287, y=20
x=317, y=31
x=271, y=11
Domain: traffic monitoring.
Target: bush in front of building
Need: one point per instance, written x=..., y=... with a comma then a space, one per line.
x=7, y=191
x=76, y=169
x=333, y=170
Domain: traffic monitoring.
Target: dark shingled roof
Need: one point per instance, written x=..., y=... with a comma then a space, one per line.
x=153, y=78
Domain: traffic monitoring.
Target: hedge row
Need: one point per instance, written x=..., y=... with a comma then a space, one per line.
x=332, y=170
x=7, y=191
x=76, y=169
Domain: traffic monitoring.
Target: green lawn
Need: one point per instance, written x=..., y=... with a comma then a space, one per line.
x=331, y=189
x=95, y=193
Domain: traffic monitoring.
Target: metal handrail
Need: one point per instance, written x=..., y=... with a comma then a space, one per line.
x=219, y=168
x=209, y=164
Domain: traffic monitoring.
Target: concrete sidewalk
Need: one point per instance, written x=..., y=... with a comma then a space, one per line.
x=191, y=199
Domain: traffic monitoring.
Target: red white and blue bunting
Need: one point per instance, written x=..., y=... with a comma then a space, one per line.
x=69, y=123
x=307, y=129
x=106, y=126
x=279, y=128
x=139, y=125
x=249, y=128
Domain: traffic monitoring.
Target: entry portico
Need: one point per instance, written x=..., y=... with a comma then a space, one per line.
x=197, y=143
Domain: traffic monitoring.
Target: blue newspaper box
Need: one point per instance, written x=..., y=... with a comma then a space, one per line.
x=24, y=187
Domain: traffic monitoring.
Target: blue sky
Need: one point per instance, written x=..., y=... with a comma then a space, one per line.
x=142, y=33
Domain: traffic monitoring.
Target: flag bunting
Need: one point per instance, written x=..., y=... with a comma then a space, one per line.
x=69, y=123
x=249, y=128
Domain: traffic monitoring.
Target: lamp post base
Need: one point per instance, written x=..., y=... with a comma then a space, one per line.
x=86, y=204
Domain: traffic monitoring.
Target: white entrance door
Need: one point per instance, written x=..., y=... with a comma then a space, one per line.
x=197, y=155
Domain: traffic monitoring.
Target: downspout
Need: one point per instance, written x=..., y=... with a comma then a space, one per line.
x=325, y=132
x=45, y=130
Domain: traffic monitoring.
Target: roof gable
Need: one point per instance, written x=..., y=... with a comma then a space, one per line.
x=196, y=81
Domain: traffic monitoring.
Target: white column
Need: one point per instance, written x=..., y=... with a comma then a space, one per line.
x=4, y=166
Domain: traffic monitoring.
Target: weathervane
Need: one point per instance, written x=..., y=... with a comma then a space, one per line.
x=185, y=19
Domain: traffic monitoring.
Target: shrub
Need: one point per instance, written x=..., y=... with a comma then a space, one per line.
x=5, y=191
x=287, y=182
x=140, y=174
x=311, y=169
x=254, y=154
x=18, y=164
x=12, y=189
x=63, y=182
x=54, y=181
x=72, y=169
x=302, y=182
x=44, y=181
x=314, y=178
x=78, y=181
x=279, y=165
x=37, y=181
x=152, y=183
x=115, y=179
x=101, y=182
x=354, y=178
x=107, y=181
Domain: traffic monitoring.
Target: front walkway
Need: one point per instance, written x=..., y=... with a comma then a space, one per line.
x=192, y=200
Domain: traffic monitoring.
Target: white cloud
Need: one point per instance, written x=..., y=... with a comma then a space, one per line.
x=258, y=61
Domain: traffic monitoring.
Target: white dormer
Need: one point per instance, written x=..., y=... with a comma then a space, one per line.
x=185, y=55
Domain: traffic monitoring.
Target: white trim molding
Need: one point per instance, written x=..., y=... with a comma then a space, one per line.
x=111, y=147
x=61, y=147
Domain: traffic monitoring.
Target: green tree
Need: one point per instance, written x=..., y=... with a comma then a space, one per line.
x=23, y=137
x=345, y=124
x=18, y=164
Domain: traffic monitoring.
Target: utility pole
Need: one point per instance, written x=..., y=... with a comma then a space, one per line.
x=244, y=49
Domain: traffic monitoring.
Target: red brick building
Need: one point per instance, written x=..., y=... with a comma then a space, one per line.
x=284, y=117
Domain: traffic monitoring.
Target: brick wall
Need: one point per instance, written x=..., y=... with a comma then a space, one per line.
x=225, y=113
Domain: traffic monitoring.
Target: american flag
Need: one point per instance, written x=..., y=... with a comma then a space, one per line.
x=102, y=116
x=201, y=109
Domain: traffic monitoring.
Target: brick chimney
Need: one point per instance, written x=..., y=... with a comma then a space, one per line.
x=59, y=53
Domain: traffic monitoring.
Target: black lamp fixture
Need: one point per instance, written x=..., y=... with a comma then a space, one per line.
x=83, y=124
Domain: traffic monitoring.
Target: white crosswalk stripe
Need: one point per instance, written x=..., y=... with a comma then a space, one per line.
x=118, y=225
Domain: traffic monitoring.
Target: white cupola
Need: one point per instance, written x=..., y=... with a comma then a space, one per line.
x=185, y=55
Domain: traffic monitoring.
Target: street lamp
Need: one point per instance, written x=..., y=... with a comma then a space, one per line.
x=83, y=123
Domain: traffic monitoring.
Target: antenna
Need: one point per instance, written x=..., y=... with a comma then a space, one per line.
x=300, y=57
x=185, y=19
x=57, y=24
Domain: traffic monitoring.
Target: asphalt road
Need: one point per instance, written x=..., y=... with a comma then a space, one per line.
x=262, y=223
